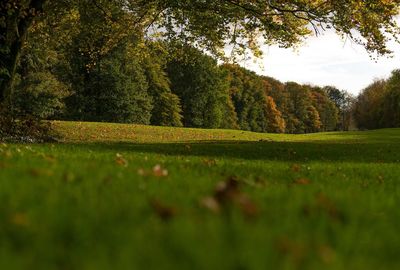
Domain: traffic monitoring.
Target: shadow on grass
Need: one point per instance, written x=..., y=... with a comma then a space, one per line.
x=268, y=151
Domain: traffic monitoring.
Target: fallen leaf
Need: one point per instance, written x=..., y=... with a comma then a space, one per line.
x=141, y=172
x=159, y=171
x=295, y=168
x=163, y=211
x=120, y=160
x=211, y=204
x=227, y=194
x=302, y=181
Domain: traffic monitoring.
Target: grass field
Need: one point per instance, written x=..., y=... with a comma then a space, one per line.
x=134, y=197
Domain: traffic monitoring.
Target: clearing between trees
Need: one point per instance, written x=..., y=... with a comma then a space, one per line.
x=141, y=197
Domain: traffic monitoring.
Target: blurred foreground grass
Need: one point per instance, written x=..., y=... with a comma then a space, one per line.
x=138, y=197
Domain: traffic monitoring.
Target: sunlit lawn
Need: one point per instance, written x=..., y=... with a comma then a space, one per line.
x=135, y=197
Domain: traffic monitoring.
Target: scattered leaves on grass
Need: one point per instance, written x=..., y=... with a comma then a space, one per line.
x=163, y=211
x=120, y=160
x=227, y=194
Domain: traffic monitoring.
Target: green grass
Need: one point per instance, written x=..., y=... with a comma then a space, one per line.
x=323, y=201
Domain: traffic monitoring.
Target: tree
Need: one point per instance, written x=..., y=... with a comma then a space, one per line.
x=116, y=91
x=391, y=102
x=40, y=94
x=167, y=109
x=368, y=108
x=344, y=103
x=15, y=19
x=211, y=24
x=201, y=86
x=276, y=123
x=326, y=108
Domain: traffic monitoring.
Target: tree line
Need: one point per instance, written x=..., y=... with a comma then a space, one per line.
x=378, y=105
x=161, y=83
x=155, y=62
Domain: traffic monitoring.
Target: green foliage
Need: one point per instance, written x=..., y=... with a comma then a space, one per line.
x=368, y=109
x=200, y=85
x=391, y=103
x=166, y=105
x=344, y=103
x=40, y=95
x=378, y=105
x=247, y=92
x=115, y=91
x=327, y=110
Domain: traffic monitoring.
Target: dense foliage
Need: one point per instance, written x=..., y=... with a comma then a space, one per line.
x=155, y=62
x=378, y=105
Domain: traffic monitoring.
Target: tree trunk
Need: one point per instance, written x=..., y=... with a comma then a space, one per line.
x=13, y=36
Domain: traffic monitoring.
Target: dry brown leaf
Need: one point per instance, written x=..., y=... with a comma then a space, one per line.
x=159, y=171
x=227, y=194
x=120, y=160
x=302, y=181
x=295, y=168
x=163, y=211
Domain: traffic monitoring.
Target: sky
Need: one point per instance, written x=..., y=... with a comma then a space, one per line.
x=326, y=60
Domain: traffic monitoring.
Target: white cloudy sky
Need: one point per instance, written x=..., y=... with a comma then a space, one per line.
x=326, y=60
